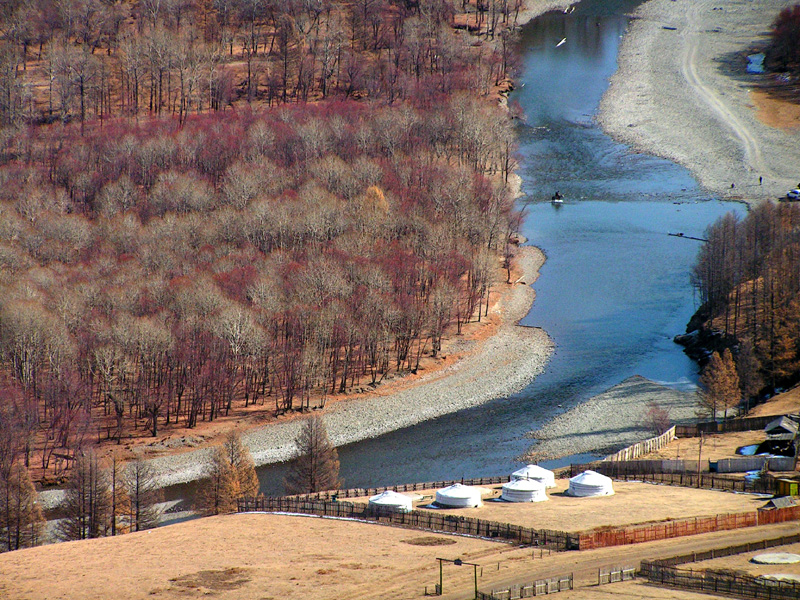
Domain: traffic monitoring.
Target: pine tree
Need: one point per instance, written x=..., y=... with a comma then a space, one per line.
x=721, y=384
x=316, y=467
x=231, y=475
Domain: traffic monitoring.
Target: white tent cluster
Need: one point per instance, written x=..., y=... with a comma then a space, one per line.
x=393, y=500
x=536, y=473
x=590, y=483
x=459, y=496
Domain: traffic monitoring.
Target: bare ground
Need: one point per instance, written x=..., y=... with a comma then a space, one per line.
x=261, y=556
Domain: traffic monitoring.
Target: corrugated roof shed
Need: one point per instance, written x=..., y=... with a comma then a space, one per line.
x=781, y=426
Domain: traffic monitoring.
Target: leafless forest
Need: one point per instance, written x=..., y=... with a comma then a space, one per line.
x=208, y=205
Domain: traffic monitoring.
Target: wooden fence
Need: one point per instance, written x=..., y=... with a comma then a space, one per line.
x=754, y=463
x=682, y=527
x=540, y=587
x=723, y=583
x=692, y=557
x=644, y=447
x=416, y=519
x=615, y=574
x=743, y=424
x=632, y=472
x=403, y=487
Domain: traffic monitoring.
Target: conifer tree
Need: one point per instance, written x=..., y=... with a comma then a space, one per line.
x=316, y=467
x=721, y=384
x=231, y=475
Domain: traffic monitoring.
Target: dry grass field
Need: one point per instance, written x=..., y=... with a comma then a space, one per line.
x=243, y=557
x=631, y=503
x=741, y=563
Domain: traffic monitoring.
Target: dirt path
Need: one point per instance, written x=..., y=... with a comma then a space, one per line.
x=709, y=95
x=584, y=565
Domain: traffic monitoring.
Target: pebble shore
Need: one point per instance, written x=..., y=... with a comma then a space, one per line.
x=495, y=368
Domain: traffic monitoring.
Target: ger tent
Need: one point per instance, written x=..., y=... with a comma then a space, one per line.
x=524, y=490
x=590, y=483
x=537, y=473
x=459, y=496
x=390, y=499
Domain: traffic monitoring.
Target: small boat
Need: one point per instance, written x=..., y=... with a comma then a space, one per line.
x=563, y=41
x=557, y=198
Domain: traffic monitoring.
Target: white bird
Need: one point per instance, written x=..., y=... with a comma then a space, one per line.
x=561, y=42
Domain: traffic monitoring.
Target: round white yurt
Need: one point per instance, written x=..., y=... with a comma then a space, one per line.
x=590, y=483
x=524, y=490
x=459, y=496
x=390, y=499
x=537, y=473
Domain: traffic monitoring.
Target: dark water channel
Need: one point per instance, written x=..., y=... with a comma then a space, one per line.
x=615, y=288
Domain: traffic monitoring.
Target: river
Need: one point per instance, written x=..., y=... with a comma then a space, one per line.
x=615, y=288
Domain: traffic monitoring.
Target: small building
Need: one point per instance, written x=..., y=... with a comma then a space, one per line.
x=391, y=500
x=590, y=483
x=459, y=496
x=524, y=490
x=781, y=428
x=536, y=473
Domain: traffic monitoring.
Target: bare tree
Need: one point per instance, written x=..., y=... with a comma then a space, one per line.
x=21, y=519
x=143, y=495
x=316, y=467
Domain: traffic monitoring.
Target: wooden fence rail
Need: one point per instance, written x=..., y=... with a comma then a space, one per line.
x=417, y=519
x=615, y=574
x=644, y=447
x=720, y=583
x=692, y=557
x=540, y=587
x=633, y=472
x=743, y=424
x=692, y=526
x=403, y=487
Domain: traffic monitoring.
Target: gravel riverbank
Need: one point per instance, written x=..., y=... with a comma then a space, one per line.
x=492, y=368
x=682, y=92
x=611, y=421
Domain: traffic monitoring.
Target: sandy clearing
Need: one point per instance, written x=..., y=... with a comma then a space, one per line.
x=631, y=503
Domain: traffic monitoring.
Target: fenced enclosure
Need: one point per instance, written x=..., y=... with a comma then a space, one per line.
x=732, y=425
x=644, y=447
x=633, y=472
x=691, y=557
x=693, y=526
x=540, y=587
x=416, y=519
x=720, y=582
x=404, y=487
x=615, y=574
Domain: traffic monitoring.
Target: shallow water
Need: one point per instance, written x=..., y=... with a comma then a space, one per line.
x=615, y=288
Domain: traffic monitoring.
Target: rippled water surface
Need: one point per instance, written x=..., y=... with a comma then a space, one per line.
x=615, y=288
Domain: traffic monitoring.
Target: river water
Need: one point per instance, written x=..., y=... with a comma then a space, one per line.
x=615, y=288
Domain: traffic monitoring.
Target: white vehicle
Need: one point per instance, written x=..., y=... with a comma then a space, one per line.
x=793, y=194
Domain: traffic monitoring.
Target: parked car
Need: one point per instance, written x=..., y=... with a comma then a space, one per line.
x=793, y=194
